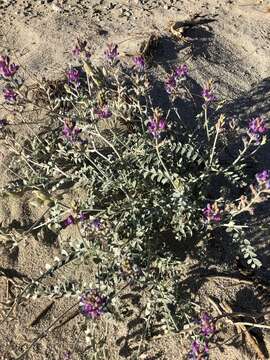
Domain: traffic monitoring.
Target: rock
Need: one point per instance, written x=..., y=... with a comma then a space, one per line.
x=56, y=8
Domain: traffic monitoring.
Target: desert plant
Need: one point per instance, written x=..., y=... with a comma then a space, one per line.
x=143, y=187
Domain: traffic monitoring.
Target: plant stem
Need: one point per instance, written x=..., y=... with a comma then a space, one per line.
x=164, y=167
x=214, y=147
x=98, y=134
x=240, y=155
x=247, y=207
x=206, y=122
x=45, y=332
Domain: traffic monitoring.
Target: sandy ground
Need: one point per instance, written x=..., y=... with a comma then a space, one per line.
x=234, y=50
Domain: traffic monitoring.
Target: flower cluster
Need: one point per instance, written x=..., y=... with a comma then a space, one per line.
x=7, y=69
x=156, y=126
x=208, y=93
x=139, y=63
x=111, y=53
x=70, y=220
x=212, y=213
x=257, y=128
x=73, y=76
x=93, y=304
x=207, y=325
x=199, y=348
x=67, y=355
x=96, y=224
x=3, y=123
x=10, y=95
x=83, y=216
x=103, y=112
x=263, y=178
x=70, y=131
x=180, y=73
x=79, y=48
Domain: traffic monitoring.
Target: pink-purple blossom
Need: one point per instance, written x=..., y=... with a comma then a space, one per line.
x=196, y=347
x=104, y=112
x=180, y=73
x=263, y=178
x=139, y=62
x=70, y=131
x=207, y=325
x=69, y=221
x=199, y=350
x=7, y=69
x=199, y=347
x=76, y=51
x=93, y=304
x=67, y=355
x=170, y=84
x=83, y=216
x=10, y=95
x=156, y=126
x=73, y=76
x=3, y=123
x=96, y=224
x=212, y=213
x=79, y=47
x=111, y=53
x=208, y=94
x=257, y=126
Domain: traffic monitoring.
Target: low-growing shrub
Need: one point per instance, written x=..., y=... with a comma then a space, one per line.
x=144, y=188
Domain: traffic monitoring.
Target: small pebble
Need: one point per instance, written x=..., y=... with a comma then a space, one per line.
x=56, y=8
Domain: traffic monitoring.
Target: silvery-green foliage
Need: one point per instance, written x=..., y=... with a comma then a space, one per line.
x=100, y=155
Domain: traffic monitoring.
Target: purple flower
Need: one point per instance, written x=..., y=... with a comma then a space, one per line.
x=103, y=112
x=195, y=347
x=263, y=176
x=257, y=126
x=181, y=71
x=83, y=216
x=71, y=131
x=170, y=84
x=67, y=355
x=76, y=51
x=87, y=55
x=96, y=224
x=207, y=325
x=199, y=351
x=111, y=53
x=208, y=94
x=10, y=95
x=69, y=221
x=79, y=47
x=7, y=69
x=212, y=213
x=3, y=123
x=156, y=126
x=93, y=304
x=139, y=62
x=73, y=76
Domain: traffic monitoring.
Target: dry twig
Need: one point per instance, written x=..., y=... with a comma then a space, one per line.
x=41, y=314
x=241, y=328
